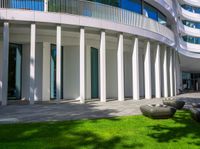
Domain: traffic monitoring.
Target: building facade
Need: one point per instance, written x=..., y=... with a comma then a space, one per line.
x=98, y=49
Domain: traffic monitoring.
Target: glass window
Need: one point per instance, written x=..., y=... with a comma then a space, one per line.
x=54, y=5
x=191, y=39
x=108, y=2
x=28, y=4
x=191, y=8
x=191, y=24
x=162, y=19
x=132, y=5
x=150, y=12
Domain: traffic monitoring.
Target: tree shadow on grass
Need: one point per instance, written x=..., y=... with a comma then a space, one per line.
x=68, y=134
x=71, y=134
x=182, y=126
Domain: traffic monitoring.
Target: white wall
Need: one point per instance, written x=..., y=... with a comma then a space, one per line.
x=1, y=48
x=141, y=73
x=88, y=72
x=178, y=74
x=38, y=70
x=161, y=69
x=26, y=71
x=168, y=70
x=46, y=72
x=153, y=53
x=71, y=80
x=128, y=87
x=111, y=74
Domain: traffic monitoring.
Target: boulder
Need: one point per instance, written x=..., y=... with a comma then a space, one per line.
x=174, y=103
x=158, y=111
x=195, y=114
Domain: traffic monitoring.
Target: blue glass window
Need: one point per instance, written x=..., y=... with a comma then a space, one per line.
x=132, y=5
x=28, y=4
x=150, y=12
x=162, y=19
x=191, y=8
x=191, y=39
x=191, y=24
x=109, y=2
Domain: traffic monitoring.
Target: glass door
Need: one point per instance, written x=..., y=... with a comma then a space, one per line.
x=94, y=73
x=14, y=72
x=53, y=72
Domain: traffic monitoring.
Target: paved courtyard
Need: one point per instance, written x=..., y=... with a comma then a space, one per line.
x=71, y=110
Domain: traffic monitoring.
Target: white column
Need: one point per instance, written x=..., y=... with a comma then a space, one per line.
x=82, y=65
x=175, y=73
x=157, y=73
x=45, y=5
x=103, y=67
x=5, y=59
x=171, y=73
x=58, y=63
x=32, y=64
x=135, y=70
x=147, y=71
x=165, y=76
x=120, y=65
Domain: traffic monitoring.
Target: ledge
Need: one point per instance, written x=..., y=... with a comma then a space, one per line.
x=143, y=26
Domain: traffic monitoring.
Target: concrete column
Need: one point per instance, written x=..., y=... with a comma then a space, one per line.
x=175, y=73
x=58, y=63
x=157, y=73
x=32, y=95
x=165, y=72
x=147, y=71
x=82, y=65
x=45, y=5
x=171, y=73
x=120, y=66
x=5, y=60
x=103, y=67
x=135, y=70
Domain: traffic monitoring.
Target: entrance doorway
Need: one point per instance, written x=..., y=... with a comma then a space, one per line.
x=14, y=71
x=53, y=72
x=191, y=81
x=94, y=73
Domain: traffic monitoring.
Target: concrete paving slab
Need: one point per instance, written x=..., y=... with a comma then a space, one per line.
x=73, y=110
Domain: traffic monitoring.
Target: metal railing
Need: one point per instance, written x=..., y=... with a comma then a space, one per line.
x=92, y=9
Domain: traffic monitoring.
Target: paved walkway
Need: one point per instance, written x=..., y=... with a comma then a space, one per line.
x=73, y=110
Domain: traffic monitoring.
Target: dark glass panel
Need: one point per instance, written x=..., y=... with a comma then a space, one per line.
x=191, y=24
x=132, y=5
x=150, y=12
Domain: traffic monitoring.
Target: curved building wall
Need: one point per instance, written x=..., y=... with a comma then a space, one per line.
x=189, y=44
x=75, y=49
x=189, y=26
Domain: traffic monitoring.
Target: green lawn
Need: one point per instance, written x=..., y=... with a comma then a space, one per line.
x=181, y=132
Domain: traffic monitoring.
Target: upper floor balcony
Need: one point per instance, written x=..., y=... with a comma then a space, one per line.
x=189, y=15
x=72, y=6
x=195, y=3
x=91, y=10
x=187, y=29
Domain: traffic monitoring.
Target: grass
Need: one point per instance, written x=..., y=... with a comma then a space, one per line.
x=180, y=132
